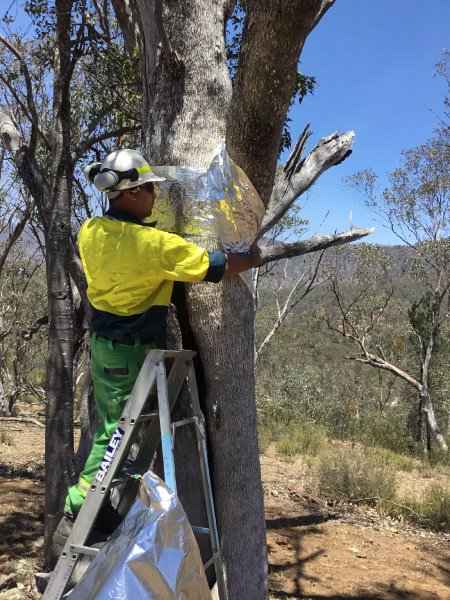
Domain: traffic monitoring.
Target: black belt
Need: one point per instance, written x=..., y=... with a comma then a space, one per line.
x=129, y=340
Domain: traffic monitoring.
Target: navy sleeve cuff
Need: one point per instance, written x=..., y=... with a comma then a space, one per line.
x=216, y=269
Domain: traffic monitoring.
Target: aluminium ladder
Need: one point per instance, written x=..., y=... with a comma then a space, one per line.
x=113, y=468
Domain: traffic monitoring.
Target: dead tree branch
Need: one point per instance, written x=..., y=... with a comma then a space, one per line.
x=278, y=251
x=299, y=174
x=23, y=420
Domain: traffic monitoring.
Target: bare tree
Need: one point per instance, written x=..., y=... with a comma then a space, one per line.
x=416, y=207
x=288, y=293
x=44, y=146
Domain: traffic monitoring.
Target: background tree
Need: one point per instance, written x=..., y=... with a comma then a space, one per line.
x=416, y=207
x=44, y=146
x=22, y=299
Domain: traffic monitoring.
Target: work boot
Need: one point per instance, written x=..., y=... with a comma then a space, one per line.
x=62, y=532
x=97, y=536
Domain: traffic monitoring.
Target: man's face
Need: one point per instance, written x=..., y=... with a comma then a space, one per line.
x=145, y=199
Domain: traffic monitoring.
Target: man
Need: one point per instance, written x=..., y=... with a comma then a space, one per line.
x=130, y=269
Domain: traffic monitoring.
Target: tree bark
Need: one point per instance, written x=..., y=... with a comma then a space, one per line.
x=129, y=23
x=59, y=417
x=273, y=252
x=425, y=398
x=299, y=174
x=273, y=38
x=4, y=403
x=88, y=413
x=187, y=97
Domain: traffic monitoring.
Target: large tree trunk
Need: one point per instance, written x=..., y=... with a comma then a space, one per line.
x=59, y=419
x=273, y=38
x=187, y=99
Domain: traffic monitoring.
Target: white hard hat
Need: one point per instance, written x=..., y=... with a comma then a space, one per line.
x=121, y=170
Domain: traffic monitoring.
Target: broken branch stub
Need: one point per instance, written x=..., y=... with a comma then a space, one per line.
x=299, y=174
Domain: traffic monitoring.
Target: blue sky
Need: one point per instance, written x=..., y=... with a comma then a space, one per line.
x=374, y=62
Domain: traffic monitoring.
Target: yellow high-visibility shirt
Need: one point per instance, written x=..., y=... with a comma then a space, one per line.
x=130, y=269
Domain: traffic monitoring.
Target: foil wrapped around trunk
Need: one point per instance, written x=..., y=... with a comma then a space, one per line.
x=152, y=555
x=219, y=201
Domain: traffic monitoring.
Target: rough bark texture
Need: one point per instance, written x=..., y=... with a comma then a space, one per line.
x=273, y=38
x=188, y=94
x=88, y=413
x=59, y=420
x=187, y=85
x=187, y=97
x=299, y=174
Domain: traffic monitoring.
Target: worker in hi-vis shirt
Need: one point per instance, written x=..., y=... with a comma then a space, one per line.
x=130, y=269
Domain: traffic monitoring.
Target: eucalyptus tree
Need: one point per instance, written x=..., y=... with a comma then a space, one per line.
x=48, y=123
x=416, y=207
x=189, y=105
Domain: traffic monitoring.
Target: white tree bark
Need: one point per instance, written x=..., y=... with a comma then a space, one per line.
x=187, y=109
x=320, y=242
x=299, y=174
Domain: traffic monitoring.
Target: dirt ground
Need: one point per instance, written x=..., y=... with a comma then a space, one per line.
x=315, y=551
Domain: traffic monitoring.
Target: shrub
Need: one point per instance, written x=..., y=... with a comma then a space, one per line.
x=389, y=431
x=354, y=475
x=5, y=437
x=291, y=396
x=439, y=456
x=264, y=438
x=309, y=439
x=400, y=462
x=433, y=509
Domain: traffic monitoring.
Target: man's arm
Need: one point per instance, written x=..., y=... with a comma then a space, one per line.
x=237, y=263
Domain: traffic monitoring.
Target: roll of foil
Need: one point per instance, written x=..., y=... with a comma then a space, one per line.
x=152, y=555
x=219, y=201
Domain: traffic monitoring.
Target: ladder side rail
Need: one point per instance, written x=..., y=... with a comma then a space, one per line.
x=152, y=439
x=166, y=430
x=120, y=443
x=206, y=480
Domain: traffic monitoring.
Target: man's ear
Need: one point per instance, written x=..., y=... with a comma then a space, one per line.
x=129, y=195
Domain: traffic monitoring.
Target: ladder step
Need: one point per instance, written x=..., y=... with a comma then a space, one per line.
x=148, y=416
x=78, y=549
x=211, y=560
x=187, y=354
x=187, y=421
x=197, y=529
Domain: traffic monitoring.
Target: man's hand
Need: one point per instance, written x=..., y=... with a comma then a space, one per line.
x=237, y=263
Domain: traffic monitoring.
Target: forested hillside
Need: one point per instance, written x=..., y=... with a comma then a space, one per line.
x=305, y=374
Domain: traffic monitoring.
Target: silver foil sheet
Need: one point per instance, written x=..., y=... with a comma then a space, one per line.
x=153, y=555
x=219, y=201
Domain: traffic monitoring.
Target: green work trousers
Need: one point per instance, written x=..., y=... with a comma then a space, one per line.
x=114, y=369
